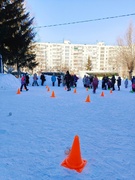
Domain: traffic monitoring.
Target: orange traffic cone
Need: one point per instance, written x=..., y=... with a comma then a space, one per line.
x=102, y=94
x=48, y=89
x=87, y=99
x=74, y=160
x=86, y=89
x=111, y=91
x=53, y=94
x=18, y=91
x=74, y=90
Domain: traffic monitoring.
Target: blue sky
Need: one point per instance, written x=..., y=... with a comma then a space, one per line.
x=50, y=12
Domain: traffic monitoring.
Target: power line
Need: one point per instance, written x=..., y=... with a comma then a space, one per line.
x=85, y=21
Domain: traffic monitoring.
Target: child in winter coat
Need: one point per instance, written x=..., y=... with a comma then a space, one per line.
x=133, y=87
x=109, y=83
x=113, y=80
x=95, y=84
x=23, y=83
x=68, y=80
x=59, y=80
x=75, y=80
x=84, y=81
x=27, y=79
x=119, y=83
x=126, y=83
x=43, y=79
x=53, y=79
x=35, y=78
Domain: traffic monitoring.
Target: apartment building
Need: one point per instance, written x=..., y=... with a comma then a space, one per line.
x=74, y=57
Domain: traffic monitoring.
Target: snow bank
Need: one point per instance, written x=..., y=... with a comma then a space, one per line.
x=8, y=81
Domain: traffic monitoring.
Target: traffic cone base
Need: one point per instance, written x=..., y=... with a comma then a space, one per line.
x=87, y=99
x=18, y=91
x=78, y=169
x=111, y=91
x=74, y=90
x=53, y=94
x=74, y=160
x=102, y=94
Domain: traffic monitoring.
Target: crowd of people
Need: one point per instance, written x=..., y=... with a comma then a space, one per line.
x=66, y=80
x=107, y=82
x=70, y=81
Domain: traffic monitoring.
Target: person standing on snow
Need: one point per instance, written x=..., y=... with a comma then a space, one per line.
x=23, y=83
x=75, y=80
x=35, y=78
x=27, y=79
x=126, y=82
x=53, y=79
x=133, y=80
x=133, y=87
x=95, y=84
x=119, y=83
x=113, y=82
x=68, y=80
x=59, y=80
x=43, y=79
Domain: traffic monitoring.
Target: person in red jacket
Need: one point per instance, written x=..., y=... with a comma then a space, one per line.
x=23, y=83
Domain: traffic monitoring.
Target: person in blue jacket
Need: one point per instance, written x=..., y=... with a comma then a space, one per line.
x=53, y=79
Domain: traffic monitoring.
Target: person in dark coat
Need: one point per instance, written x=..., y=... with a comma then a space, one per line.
x=133, y=80
x=104, y=82
x=68, y=80
x=119, y=83
x=27, y=79
x=43, y=79
x=113, y=82
x=133, y=87
x=59, y=80
x=95, y=84
x=72, y=81
x=109, y=83
x=75, y=80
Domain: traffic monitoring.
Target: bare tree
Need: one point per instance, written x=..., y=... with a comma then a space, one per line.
x=126, y=51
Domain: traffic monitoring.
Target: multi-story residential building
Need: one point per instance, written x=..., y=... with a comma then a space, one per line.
x=74, y=57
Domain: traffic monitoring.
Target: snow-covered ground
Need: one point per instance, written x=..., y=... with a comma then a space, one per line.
x=36, y=129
